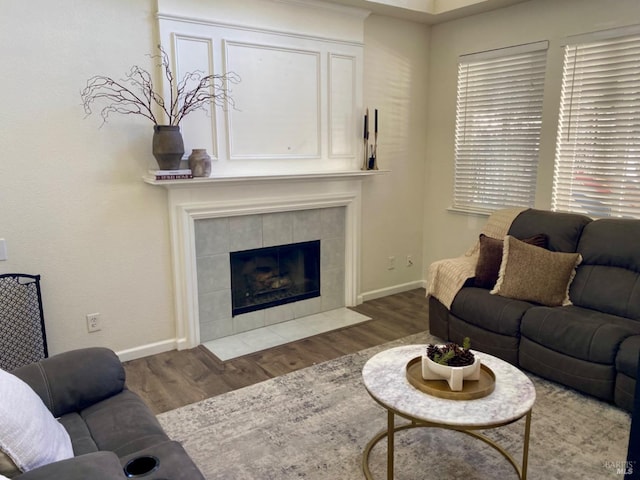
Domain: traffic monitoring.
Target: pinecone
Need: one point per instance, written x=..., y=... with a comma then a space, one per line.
x=451, y=354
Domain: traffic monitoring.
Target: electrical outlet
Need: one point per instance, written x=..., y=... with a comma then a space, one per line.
x=392, y=263
x=409, y=262
x=93, y=322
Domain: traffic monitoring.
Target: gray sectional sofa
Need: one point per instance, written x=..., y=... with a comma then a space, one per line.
x=591, y=345
x=109, y=425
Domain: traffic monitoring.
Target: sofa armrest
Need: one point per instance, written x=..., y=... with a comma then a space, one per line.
x=71, y=381
x=96, y=466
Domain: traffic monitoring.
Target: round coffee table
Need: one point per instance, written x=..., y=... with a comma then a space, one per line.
x=385, y=379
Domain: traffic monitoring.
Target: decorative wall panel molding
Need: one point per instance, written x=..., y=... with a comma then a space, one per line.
x=278, y=114
x=342, y=105
x=298, y=106
x=198, y=128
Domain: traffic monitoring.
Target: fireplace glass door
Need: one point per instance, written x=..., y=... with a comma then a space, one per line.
x=266, y=277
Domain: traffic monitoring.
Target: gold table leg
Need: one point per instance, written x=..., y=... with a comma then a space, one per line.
x=525, y=448
x=390, y=445
x=390, y=441
x=521, y=470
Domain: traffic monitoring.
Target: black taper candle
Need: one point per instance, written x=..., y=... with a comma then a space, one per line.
x=376, y=122
x=366, y=120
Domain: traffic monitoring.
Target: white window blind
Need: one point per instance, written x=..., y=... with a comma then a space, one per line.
x=498, y=119
x=597, y=164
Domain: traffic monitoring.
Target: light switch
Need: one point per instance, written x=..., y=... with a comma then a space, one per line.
x=3, y=249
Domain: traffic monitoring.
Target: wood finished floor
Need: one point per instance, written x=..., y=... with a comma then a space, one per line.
x=172, y=379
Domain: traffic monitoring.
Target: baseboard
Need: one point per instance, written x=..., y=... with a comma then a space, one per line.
x=178, y=344
x=146, y=350
x=385, y=292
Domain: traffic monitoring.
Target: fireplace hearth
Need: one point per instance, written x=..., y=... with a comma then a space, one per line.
x=266, y=277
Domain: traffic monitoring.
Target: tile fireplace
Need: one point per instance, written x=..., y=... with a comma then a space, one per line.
x=244, y=213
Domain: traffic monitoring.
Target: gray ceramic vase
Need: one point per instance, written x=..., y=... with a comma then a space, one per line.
x=168, y=147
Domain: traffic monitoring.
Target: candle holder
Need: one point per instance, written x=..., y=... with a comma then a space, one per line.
x=373, y=160
x=365, y=161
x=370, y=152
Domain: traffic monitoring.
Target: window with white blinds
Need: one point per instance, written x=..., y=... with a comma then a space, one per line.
x=498, y=119
x=597, y=164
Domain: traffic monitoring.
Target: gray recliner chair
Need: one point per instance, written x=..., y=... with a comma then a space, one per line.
x=110, y=426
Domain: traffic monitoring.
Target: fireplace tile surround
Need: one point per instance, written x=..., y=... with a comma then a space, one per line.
x=215, y=238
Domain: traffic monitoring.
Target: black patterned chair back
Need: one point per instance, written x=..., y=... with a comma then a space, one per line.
x=22, y=333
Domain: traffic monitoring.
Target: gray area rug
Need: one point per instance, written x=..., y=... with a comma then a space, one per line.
x=315, y=423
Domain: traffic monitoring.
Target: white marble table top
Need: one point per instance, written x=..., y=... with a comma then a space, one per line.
x=385, y=378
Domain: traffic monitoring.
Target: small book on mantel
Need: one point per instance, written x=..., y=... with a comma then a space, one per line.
x=171, y=174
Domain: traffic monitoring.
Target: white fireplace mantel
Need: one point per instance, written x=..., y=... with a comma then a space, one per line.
x=201, y=198
x=252, y=179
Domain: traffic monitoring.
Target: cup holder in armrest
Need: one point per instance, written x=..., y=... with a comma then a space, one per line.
x=141, y=466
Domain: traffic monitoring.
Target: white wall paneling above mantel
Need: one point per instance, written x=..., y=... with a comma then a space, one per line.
x=279, y=110
x=298, y=106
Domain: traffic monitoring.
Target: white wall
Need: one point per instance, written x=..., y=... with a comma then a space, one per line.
x=73, y=207
x=395, y=73
x=447, y=233
x=307, y=17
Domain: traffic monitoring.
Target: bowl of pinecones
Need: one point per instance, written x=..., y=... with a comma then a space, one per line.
x=451, y=362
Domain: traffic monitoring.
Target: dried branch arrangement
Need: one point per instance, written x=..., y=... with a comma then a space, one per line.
x=135, y=94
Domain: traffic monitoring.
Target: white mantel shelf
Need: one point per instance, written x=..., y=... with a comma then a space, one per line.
x=245, y=179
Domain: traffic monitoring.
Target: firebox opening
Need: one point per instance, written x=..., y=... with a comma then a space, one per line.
x=266, y=277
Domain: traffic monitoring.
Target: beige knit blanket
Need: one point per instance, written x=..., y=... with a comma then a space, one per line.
x=446, y=277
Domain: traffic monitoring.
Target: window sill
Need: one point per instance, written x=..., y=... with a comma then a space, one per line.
x=470, y=211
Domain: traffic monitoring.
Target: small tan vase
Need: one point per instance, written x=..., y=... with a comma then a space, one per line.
x=200, y=162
